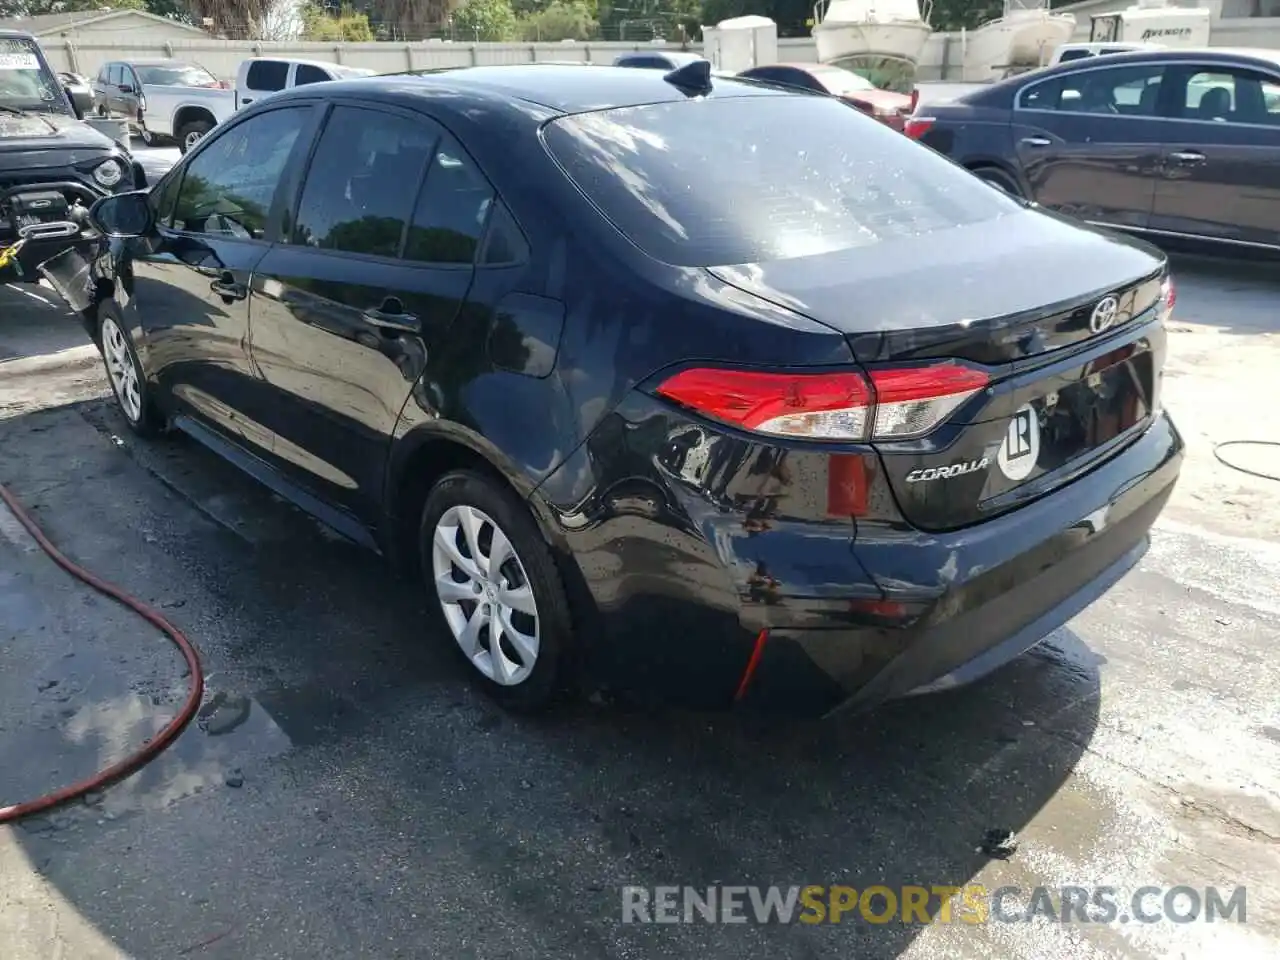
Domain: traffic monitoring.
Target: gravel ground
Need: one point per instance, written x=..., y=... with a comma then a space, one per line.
x=347, y=795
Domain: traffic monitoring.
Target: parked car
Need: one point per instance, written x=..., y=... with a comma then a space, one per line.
x=163, y=99
x=696, y=386
x=1168, y=143
x=656, y=59
x=52, y=167
x=80, y=90
x=261, y=76
x=887, y=106
x=1082, y=51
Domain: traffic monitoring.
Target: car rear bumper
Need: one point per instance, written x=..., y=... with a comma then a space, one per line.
x=1001, y=588
x=719, y=571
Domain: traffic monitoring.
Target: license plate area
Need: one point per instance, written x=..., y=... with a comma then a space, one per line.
x=1062, y=421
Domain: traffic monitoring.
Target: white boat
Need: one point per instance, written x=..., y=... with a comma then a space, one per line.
x=1023, y=39
x=880, y=39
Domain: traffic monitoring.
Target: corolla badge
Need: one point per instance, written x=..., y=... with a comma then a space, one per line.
x=943, y=473
x=1104, y=314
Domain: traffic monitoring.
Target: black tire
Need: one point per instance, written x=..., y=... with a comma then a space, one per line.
x=551, y=678
x=147, y=421
x=103, y=112
x=196, y=128
x=998, y=178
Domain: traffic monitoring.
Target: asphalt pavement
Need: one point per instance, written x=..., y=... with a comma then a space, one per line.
x=345, y=793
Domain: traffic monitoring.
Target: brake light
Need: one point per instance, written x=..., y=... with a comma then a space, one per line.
x=917, y=127
x=892, y=404
x=1168, y=297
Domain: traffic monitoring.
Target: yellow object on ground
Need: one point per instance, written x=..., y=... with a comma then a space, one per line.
x=9, y=252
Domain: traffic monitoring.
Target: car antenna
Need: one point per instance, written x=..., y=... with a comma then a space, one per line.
x=694, y=78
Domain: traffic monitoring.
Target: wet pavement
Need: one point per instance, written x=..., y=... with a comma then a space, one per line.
x=345, y=792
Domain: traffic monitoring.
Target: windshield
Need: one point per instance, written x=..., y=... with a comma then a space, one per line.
x=840, y=82
x=176, y=75
x=750, y=179
x=25, y=81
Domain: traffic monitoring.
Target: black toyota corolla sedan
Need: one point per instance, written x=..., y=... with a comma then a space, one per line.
x=659, y=382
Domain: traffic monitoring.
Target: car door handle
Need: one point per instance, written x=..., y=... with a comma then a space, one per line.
x=1187, y=157
x=391, y=317
x=227, y=288
x=1036, y=141
x=246, y=99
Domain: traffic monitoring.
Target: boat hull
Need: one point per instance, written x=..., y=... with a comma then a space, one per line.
x=1014, y=43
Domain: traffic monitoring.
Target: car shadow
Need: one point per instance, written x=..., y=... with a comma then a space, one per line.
x=348, y=705
x=1207, y=279
x=35, y=323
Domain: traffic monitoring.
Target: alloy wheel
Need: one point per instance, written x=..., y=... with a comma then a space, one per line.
x=121, y=370
x=485, y=594
x=192, y=139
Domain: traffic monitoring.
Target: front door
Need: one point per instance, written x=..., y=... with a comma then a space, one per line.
x=192, y=280
x=349, y=313
x=130, y=93
x=1222, y=160
x=1090, y=141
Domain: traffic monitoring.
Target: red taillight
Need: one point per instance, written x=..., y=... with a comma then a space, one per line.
x=917, y=127
x=1168, y=297
x=895, y=404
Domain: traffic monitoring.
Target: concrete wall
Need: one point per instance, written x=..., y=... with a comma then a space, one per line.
x=941, y=59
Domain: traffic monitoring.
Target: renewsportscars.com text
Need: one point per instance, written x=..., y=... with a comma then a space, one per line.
x=970, y=904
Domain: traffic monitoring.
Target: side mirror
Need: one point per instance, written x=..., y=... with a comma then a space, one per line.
x=123, y=215
x=75, y=104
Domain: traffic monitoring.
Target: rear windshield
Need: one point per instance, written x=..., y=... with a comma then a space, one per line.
x=744, y=180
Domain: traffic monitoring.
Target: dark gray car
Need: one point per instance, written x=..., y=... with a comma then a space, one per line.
x=1170, y=143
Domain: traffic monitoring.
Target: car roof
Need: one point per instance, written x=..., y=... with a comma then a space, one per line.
x=675, y=56
x=16, y=35
x=557, y=87
x=154, y=61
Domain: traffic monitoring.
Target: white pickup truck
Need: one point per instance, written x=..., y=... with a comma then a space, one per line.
x=163, y=99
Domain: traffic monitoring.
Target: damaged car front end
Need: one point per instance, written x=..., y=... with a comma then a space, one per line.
x=53, y=166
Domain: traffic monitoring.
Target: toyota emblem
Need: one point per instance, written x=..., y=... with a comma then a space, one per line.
x=1104, y=314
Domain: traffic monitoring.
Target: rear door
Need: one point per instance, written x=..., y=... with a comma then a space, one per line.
x=347, y=313
x=1222, y=159
x=1090, y=141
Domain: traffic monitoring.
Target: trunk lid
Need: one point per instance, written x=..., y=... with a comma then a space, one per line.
x=1015, y=297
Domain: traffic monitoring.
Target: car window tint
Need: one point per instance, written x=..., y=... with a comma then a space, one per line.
x=1074, y=55
x=306, y=73
x=816, y=177
x=1119, y=91
x=166, y=199
x=267, y=75
x=115, y=75
x=449, y=217
x=362, y=180
x=1231, y=96
x=504, y=242
x=229, y=185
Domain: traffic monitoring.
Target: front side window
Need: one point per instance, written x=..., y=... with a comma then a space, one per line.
x=362, y=180
x=174, y=75
x=812, y=177
x=1231, y=96
x=26, y=82
x=229, y=186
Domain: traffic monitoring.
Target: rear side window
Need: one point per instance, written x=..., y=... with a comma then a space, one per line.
x=267, y=75
x=360, y=185
x=451, y=211
x=1074, y=55
x=306, y=73
x=814, y=177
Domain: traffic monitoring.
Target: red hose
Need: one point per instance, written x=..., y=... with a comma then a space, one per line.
x=133, y=762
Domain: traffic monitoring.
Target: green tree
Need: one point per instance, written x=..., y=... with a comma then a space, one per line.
x=561, y=20
x=345, y=26
x=492, y=20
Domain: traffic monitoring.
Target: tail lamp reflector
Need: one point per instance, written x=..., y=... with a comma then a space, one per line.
x=1168, y=297
x=890, y=404
x=917, y=127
